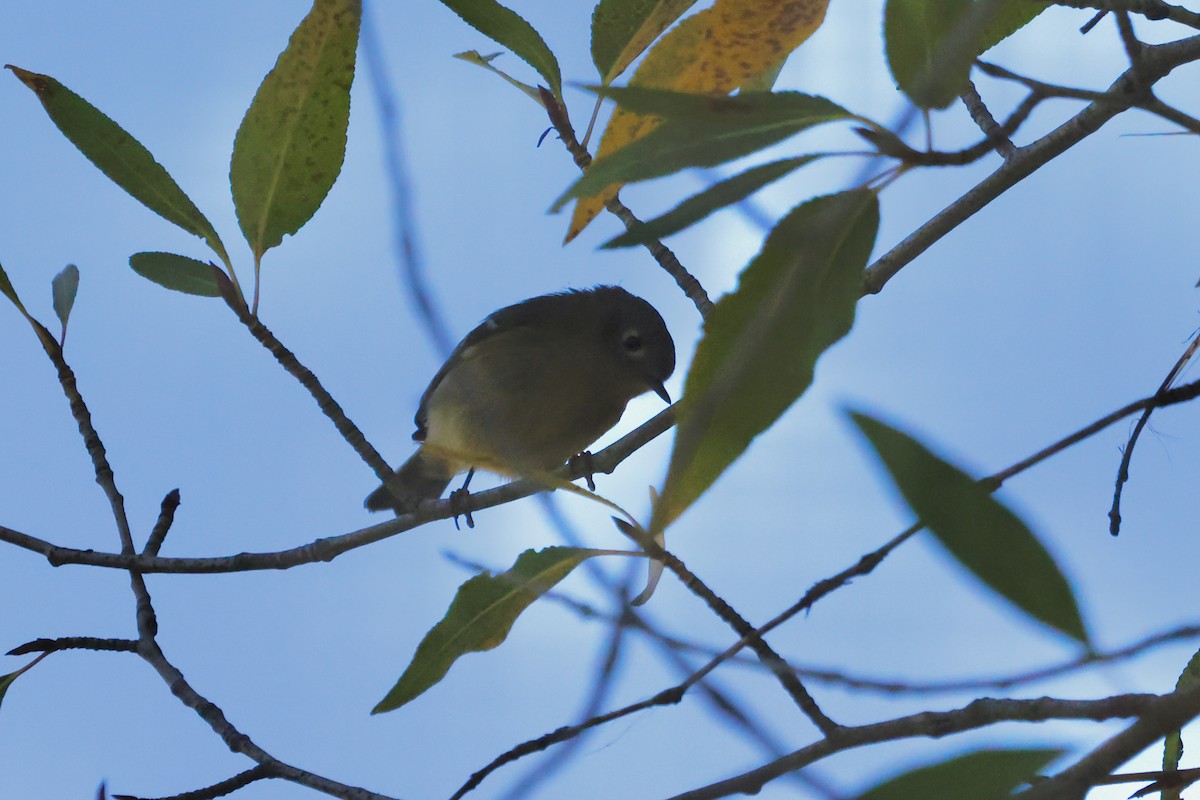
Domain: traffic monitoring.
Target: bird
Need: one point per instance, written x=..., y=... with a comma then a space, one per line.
x=529, y=388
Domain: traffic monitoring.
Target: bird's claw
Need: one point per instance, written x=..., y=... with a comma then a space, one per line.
x=582, y=462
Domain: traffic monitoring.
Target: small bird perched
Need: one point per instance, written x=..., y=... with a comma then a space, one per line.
x=533, y=385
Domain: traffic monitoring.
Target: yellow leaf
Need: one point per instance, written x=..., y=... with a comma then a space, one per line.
x=713, y=52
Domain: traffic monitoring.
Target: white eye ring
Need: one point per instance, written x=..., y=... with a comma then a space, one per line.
x=632, y=342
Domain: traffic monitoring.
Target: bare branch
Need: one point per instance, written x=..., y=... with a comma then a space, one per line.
x=986, y=122
x=936, y=724
x=329, y=407
x=1157, y=62
x=750, y=637
x=1150, y=9
x=1171, y=712
x=1114, y=513
x=662, y=254
x=327, y=549
x=227, y=786
x=166, y=516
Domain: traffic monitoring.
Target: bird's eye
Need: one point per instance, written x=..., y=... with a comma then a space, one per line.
x=632, y=342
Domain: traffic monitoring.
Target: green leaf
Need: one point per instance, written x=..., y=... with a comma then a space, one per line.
x=6, y=288
x=761, y=342
x=177, y=272
x=700, y=131
x=623, y=29
x=7, y=681
x=765, y=80
x=481, y=616
x=979, y=532
x=931, y=44
x=119, y=156
x=1173, y=744
x=290, y=146
x=982, y=775
x=507, y=28
x=714, y=198
x=475, y=57
x=63, y=289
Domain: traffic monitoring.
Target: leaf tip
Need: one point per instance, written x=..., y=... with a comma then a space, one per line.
x=37, y=82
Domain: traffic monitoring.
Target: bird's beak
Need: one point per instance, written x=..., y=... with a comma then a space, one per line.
x=661, y=391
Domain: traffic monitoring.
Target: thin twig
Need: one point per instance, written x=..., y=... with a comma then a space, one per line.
x=227, y=786
x=976, y=714
x=326, y=549
x=834, y=677
x=329, y=407
x=1150, y=9
x=1171, y=713
x=603, y=462
x=166, y=516
x=661, y=253
x=1157, y=62
x=751, y=637
x=1114, y=513
x=986, y=122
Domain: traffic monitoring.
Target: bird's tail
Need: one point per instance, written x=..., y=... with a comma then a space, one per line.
x=420, y=478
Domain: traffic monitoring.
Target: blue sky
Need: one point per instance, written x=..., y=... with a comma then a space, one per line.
x=1069, y=296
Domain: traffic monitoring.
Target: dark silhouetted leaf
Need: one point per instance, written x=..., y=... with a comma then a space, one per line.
x=931, y=44
x=481, y=616
x=177, y=272
x=718, y=196
x=982, y=775
x=701, y=131
x=761, y=341
x=981, y=534
x=290, y=146
x=119, y=156
x=507, y=28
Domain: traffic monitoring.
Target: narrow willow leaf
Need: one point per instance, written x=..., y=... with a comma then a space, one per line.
x=718, y=196
x=177, y=272
x=1173, y=744
x=701, y=131
x=6, y=288
x=761, y=342
x=623, y=29
x=765, y=80
x=981, y=775
x=290, y=146
x=507, y=28
x=475, y=57
x=7, y=681
x=931, y=44
x=711, y=52
x=481, y=616
x=980, y=533
x=119, y=156
x=63, y=289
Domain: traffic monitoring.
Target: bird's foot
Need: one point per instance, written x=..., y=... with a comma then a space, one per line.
x=582, y=462
x=458, y=503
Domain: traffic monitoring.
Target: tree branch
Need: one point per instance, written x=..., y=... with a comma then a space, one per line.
x=661, y=253
x=1157, y=62
x=937, y=724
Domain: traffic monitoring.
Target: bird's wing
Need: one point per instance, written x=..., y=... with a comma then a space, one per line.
x=507, y=320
